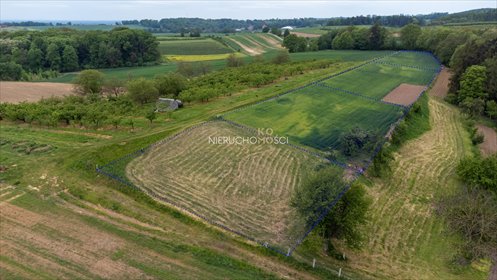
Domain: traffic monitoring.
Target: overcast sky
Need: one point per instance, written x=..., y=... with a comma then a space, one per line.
x=157, y=9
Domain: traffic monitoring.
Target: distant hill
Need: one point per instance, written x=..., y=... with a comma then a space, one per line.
x=479, y=15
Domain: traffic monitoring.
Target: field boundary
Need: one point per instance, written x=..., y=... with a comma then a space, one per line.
x=323, y=212
x=311, y=83
x=360, y=95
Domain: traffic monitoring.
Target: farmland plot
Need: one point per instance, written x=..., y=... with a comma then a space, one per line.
x=377, y=80
x=246, y=188
x=192, y=47
x=317, y=116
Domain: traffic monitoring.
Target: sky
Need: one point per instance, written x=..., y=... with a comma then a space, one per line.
x=156, y=9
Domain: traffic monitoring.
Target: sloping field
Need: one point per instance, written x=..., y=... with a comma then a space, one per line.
x=317, y=116
x=192, y=47
x=407, y=239
x=377, y=80
x=16, y=92
x=421, y=60
x=246, y=188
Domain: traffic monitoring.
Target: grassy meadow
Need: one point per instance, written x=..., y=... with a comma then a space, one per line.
x=317, y=117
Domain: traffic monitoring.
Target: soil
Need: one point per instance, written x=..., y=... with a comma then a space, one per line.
x=16, y=92
x=404, y=94
x=441, y=86
x=273, y=42
x=307, y=35
x=249, y=50
x=489, y=145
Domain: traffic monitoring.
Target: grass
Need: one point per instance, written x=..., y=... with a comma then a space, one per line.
x=70, y=168
x=153, y=233
x=206, y=57
x=317, y=117
x=255, y=197
x=377, y=80
x=192, y=47
x=126, y=73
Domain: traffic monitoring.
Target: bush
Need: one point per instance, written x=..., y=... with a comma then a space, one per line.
x=89, y=81
x=282, y=57
x=142, y=91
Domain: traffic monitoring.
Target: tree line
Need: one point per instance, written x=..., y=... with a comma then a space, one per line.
x=24, y=54
x=106, y=101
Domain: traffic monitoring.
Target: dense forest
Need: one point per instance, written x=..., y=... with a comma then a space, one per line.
x=26, y=54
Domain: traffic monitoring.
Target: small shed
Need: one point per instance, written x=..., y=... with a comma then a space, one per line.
x=167, y=104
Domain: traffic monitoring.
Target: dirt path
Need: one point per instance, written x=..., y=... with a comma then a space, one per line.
x=307, y=35
x=16, y=92
x=249, y=50
x=441, y=86
x=489, y=145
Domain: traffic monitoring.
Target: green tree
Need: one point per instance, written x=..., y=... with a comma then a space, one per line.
x=491, y=109
x=265, y=29
x=295, y=43
x=377, y=35
x=491, y=85
x=35, y=58
x=317, y=192
x=348, y=216
x=286, y=33
x=281, y=57
x=89, y=82
x=343, y=41
x=53, y=57
x=357, y=140
x=233, y=61
x=276, y=31
x=69, y=59
x=409, y=35
x=170, y=84
x=10, y=71
x=473, y=106
x=142, y=91
x=151, y=116
x=315, y=196
x=472, y=83
x=479, y=172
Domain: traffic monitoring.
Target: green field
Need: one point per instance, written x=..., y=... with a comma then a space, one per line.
x=85, y=216
x=422, y=60
x=192, y=47
x=125, y=73
x=317, y=117
x=377, y=80
x=247, y=188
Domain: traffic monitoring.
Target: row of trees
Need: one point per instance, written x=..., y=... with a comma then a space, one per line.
x=102, y=100
x=374, y=38
x=24, y=52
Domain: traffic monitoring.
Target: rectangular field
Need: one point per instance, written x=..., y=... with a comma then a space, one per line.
x=192, y=47
x=246, y=188
x=317, y=116
x=377, y=80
